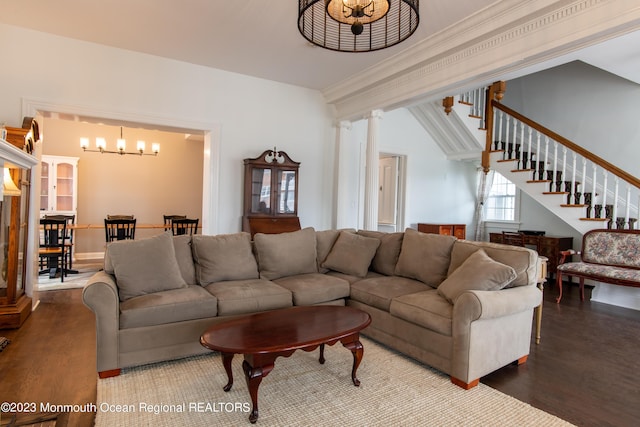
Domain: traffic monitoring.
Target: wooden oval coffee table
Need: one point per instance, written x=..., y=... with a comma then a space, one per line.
x=265, y=336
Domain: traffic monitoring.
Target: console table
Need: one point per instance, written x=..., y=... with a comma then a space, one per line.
x=457, y=230
x=547, y=246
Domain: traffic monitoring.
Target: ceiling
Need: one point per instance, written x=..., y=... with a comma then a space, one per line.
x=255, y=37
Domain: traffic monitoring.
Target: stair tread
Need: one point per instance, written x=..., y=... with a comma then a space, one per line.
x=574, y=206
x=556, y=192
x=535, y=181
x=507, y=160
x=465, y=103
x=523, y=170
x=594, y=219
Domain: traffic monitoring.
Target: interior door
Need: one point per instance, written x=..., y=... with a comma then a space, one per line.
x=388, y=196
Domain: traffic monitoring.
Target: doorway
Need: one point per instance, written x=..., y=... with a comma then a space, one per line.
x=391, y=196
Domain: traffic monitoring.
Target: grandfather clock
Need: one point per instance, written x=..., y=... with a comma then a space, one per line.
x=16, y=161
x=270, y=193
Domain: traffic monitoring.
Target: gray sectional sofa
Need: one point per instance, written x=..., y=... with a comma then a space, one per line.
x=463, y=307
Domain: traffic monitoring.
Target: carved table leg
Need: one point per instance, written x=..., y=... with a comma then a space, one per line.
x=226, y=362
x=356, y=348
x=254, y=375
x=322, y=359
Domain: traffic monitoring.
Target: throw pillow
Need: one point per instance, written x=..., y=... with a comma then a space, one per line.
x=352, y=254
x=223, y=257
x=478, y=273
x=324, y=242
x=424, y=257
x=145, y=266
x=286, y=254
x=388, y=252
x=184, y=256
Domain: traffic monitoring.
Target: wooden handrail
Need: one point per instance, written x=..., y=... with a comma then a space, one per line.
x=564, y=141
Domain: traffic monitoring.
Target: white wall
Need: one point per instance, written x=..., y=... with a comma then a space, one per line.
x=437, y=190
x=591, y=107
x=252, y=114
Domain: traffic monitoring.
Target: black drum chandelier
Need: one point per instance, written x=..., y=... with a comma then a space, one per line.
x=357, y=25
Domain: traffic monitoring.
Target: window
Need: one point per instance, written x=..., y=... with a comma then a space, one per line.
x=501, y=202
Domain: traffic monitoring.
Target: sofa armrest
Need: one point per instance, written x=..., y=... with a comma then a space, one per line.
x=100, y=294
x=474, y=305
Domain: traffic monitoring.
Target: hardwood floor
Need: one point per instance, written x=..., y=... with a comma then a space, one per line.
x=584, y=370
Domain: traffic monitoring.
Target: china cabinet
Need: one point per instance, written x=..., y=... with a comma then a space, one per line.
x=58, y=185
x=270, y=193
x=17, y=163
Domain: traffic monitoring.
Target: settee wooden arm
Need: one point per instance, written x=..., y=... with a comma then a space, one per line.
x=565, y=254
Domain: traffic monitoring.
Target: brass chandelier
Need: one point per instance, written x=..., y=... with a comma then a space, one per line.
x=121, y=147
x=357, y=25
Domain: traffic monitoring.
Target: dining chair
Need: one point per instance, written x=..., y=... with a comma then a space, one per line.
x=181, y=226
x=71, y=220
x=120, y=217
x=513, y=238
x=53, y=248
x=119, y=229
x=169, y=218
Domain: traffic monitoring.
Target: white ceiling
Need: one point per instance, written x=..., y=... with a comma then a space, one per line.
x=255, y=37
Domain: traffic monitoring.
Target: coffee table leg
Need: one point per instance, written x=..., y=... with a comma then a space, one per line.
x=254, y=377
x=357, y=350
x=226, y=362
x=322, y=360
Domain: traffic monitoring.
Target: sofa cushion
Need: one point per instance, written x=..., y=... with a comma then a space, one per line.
x=314, y=288
x=523, y=260
x=145, y=266
x=352, y=254
x=324, y=242
x=478, y=273
x=425, y=256
x=223, y=257
x=379, y=291
x=426, y=308
x=176, y=305
x=286, y=254
x=352, y=279
x=388, y=252
x=184, y=256
x=249, y=296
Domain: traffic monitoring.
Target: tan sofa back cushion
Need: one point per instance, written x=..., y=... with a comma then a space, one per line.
x=388, y=252
x=286, y=254
x=145, y=266
x=352, y=254
x=523, y=260
x=424, y=257
x=223, y=257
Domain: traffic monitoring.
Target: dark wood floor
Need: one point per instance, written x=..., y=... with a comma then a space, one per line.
x=585, y=369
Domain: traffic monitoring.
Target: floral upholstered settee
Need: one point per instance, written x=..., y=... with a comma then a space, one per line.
x=608, y=256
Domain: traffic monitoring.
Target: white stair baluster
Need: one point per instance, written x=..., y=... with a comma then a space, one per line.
x=555, y=165
x=604, y=194
x=626, y=215
x=583, y=187
x=564, y=167
x=593, y=189
x=500, y=115
x=614, y=215
x=522, y=162
x=573, y=180
x=546, y=156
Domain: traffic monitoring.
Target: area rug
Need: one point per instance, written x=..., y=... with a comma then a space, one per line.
x=394, y=390
x=71, y=281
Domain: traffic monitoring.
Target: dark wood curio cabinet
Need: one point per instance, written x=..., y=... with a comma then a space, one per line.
x=270, y=193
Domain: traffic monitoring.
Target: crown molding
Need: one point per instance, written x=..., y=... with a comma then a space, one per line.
x=507, y=37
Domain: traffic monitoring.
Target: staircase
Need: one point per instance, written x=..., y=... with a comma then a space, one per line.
x=582, y=189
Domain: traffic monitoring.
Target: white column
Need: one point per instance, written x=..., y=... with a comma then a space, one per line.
x=341, y=190
x=371, y=172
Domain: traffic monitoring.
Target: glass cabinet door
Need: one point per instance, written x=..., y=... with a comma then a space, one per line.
x=261, y=190
x=64, y=187
x=286, y=191
x=44, y=186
